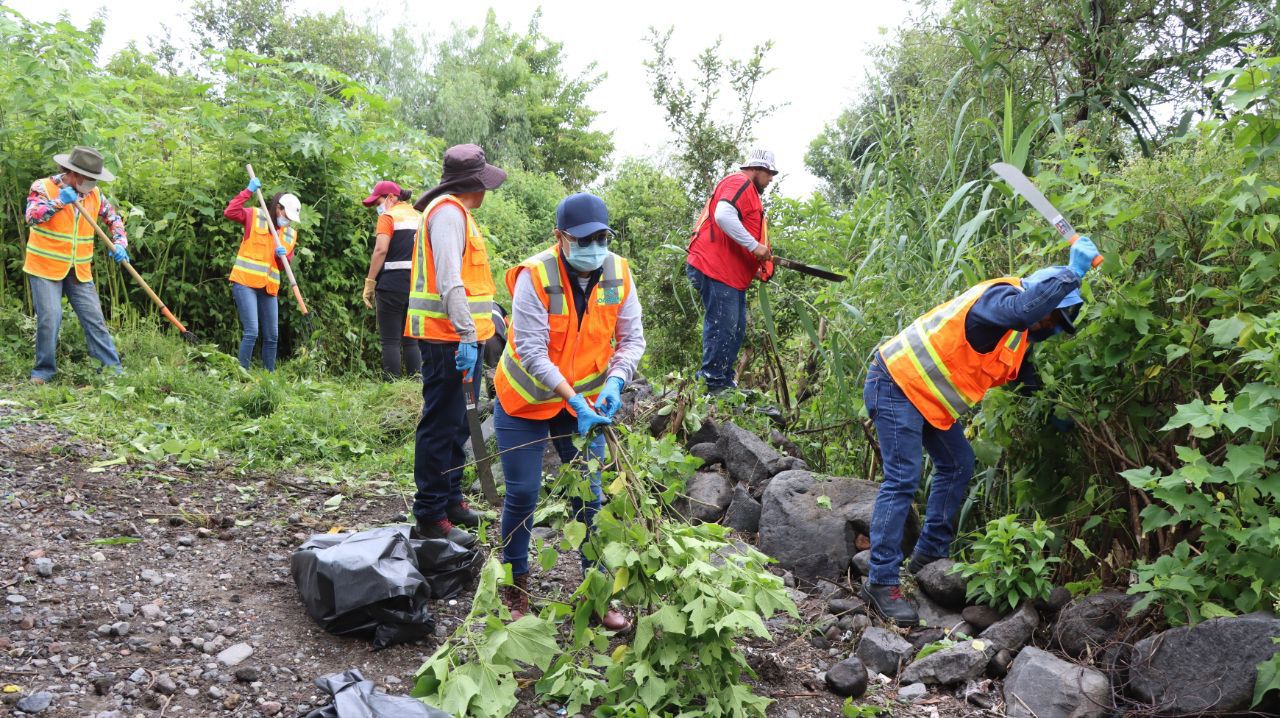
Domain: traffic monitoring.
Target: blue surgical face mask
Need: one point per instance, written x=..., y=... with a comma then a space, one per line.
x=586, y=260
x=381, y=210
x=282, y=221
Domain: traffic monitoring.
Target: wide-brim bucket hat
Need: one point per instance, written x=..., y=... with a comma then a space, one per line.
x=84, y=161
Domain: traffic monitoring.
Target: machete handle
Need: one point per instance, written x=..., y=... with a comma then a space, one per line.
x=1097, y=261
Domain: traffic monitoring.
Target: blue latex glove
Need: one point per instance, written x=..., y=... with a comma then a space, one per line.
x=280, y=252
x=254, y=184
x=1082, y=254
x=588, y=419
x=68, y=195
x=465, y=359
x=610, y=398
x=119, y=254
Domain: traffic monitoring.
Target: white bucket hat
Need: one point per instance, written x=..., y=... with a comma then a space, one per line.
x=762, y=159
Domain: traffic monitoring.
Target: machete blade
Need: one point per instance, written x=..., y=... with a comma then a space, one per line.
x=807, y=269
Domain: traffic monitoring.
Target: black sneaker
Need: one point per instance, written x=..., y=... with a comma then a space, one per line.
x=891, y=604
x=919, y=561
x=462, y=514
x=442, y=529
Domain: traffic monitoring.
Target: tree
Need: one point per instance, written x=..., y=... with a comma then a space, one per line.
x=510, y=94
x=709, y=138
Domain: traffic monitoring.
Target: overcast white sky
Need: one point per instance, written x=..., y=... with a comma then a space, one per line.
x=820, y=52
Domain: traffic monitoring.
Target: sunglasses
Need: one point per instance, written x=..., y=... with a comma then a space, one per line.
x=602, y=238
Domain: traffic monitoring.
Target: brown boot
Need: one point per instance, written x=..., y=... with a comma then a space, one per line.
x=614, y=620
x=516, y=596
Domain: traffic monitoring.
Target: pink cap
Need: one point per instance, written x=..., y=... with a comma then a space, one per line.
x=380, y=190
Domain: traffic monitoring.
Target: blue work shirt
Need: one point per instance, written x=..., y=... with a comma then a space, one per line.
x=1004, y=307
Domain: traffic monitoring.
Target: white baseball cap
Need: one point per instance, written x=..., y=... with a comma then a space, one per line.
x=762, y=159
x=292, y=206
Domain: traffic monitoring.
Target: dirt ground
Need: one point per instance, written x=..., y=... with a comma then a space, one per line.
x=119, y=630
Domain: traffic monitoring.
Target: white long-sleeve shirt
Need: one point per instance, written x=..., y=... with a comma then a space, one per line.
x=447, y=228
x=728, y=221
x=529, y=316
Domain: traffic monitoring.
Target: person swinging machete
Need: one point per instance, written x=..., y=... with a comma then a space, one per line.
x=924, y=379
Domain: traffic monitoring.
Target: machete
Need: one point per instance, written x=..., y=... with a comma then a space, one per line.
x=1023, y=186
x=807, y=269
x=481, y=454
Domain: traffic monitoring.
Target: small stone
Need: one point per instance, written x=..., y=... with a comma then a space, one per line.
x=120, y=628
x=980, y=617
x=270, y=708
x=848, y=678
x=862, y=562
x=175, y=641
x=841, y=606
x=246, y=674
x=225, y=535
x=391, y=680
x=15, y=599
x=231, y=702
x=912, y=692
x=235, y=654
x=36, y=702
x=102, y=684
x=168, y=551
x=98, y=557
x=165, y=684
x=216, y=693
x=151, y=612
x=104, y=629
x=186, y=540
x=27, y=623
x=44, y=566
x=204, y=532
x=124, y=608
x=138, y=676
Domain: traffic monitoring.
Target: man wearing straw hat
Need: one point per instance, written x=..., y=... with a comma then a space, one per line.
x=60, y=239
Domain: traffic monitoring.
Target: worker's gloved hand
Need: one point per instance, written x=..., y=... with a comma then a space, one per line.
x=465, y=359
x=254, y=184
x=588, y=419
x=762, y=252
x=1082, y=254
x=68, y=195
x=119, y=254
x=610, y=398
x=281, y=252
x=367, y=294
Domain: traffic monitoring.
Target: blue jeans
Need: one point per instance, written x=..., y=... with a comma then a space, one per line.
x=903, y=431
x=522, y=471
x=442, y=432
x=46, y=296
x=259, y=316
x=723, y=326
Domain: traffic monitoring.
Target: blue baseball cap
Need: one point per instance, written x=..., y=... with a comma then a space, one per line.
x=582, y=215
x=1068, y=307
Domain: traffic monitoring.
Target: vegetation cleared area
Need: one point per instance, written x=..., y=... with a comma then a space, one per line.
x=1147, y=466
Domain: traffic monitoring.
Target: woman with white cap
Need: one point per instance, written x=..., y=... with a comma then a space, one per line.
x=255, y=276
x=575, y=340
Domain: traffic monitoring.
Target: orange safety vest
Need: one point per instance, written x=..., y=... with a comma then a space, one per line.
x=581, y=353
x=937, y=368
x=256, y=265
x=428, y=318
x=64, y=239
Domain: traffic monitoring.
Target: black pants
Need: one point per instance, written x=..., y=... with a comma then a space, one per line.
x=442, y=432
x=392, y=308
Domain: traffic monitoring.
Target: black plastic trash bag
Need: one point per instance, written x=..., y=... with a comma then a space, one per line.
x=354, y=697
x=369, y=584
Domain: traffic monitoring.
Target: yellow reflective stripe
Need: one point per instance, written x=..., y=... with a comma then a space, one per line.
x=934, y=372
x=529, y=388
x=1015, y=341
x=49, y=254
x=549, y=269
x=431, y=305
x=56, y=236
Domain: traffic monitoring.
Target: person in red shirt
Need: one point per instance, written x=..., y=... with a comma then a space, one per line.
x=729, y=248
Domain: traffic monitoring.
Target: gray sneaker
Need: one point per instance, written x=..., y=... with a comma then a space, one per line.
x=889, y=602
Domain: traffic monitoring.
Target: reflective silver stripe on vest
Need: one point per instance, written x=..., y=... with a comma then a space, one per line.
x=957, y=404
x=534, y=390
x=593, y=384
x=405, y=264
x=554, y=290
x=611, y=278
x=479, y=307
x=251, y=266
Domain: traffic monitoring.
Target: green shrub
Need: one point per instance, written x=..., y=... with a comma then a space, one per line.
x=1007, y=563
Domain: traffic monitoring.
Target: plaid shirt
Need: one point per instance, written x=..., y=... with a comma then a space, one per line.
x=41, y=207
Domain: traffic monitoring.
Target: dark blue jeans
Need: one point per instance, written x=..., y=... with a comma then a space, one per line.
x=442, y=432
x=46, y=297
x=723, y=325
x=903, y=432
x=522, y=470
x=259, y=316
